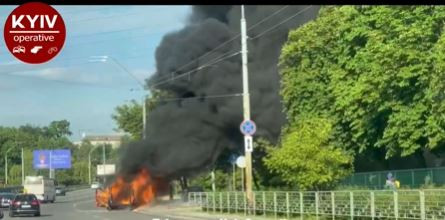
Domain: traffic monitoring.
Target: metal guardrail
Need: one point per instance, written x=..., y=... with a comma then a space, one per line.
x=78, y=195
x=76, y=187
x=386, y=204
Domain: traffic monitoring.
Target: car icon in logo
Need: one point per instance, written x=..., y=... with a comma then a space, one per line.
x=19, y=49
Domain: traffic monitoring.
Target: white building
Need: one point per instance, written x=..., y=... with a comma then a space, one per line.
x=114, y=140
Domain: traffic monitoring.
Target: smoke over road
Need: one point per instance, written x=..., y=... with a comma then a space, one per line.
x=187, y=135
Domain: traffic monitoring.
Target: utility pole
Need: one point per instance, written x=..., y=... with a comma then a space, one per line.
x=246, y=105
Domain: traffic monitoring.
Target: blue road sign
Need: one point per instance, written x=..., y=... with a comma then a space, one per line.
x=52, y=159
x=248, y=127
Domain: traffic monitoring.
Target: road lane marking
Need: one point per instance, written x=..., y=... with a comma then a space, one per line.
x=88, y=210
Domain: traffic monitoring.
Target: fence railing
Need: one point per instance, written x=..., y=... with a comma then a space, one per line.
x=386, y=204
x=412, y=178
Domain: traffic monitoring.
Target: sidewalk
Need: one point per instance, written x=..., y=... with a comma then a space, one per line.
x=180, y=210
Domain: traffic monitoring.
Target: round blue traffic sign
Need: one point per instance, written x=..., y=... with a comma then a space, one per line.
x=248, y=127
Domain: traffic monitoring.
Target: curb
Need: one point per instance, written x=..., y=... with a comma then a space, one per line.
x=193, y=214
x=175, y=216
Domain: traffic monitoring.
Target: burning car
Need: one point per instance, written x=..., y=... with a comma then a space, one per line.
x=139, y=190
x=117, y=195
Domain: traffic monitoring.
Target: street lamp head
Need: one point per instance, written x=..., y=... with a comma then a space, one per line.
x=99, y=57
x=95, y=59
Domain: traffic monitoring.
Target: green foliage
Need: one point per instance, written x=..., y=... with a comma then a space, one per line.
x=75, y=176
x=58, y=129
x=129, y=118
x=223, y=180
x=263, y=177
x=15, y=175
x=53, y=136
x=376, y=72
x=306, y=159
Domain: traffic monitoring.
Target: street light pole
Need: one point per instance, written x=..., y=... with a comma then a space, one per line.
x=23, y=160
x=103, y=163
x=144, y=116
x=6, y=169
x=23, y=169
x=89, y=164
x=50, y=165
x=6, y=166
x=125, y=69
x=89, y=168
x=212, y=174
x=246, y=105
x=233, y=177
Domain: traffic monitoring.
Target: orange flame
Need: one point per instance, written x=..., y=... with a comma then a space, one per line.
x=141, y=190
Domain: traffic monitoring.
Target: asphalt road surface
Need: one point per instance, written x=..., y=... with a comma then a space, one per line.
x=84, y=209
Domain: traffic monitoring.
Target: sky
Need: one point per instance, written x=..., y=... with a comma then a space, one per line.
x=73, y=86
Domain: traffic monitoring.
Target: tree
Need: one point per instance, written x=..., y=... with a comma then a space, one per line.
x=31, y=138
x=129, y=116
x=58, y=129
x=306, y=159
x=375, y=72
x=15, y=175
x=223, y=180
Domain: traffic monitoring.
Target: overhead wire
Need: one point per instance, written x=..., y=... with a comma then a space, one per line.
x=231, y=39
x=171, y=73
x=194, y=70
x=63, y=11
x=201, y=97
x=209, y=52
x=267, y=18
x=216, y=60
x=128, y=71
x=228, y=41
x=282, y=22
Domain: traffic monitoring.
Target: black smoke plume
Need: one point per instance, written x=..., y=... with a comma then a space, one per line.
x=186, y=136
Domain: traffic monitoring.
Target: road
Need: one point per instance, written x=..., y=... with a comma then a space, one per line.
x=83, y=208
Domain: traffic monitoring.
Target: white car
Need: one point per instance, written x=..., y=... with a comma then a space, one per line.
x=5, y=199
x=95, y=185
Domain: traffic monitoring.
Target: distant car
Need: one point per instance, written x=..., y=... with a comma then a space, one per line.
x=95, y=185
x=24, y=204
x=60, y=191
x=5, y=199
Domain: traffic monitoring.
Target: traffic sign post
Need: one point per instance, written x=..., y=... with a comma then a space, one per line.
x=248, y=128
